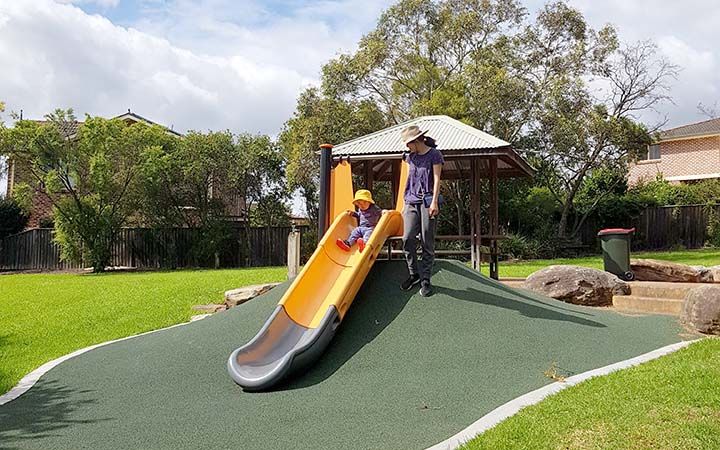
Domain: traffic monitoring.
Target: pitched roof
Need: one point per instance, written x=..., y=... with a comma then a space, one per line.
x=132, y=117
x=70, y=129
x=707, y=127
x=449, y=133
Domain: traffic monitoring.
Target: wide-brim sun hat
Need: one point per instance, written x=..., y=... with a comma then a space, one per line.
x=363, y=194
x=411, y=133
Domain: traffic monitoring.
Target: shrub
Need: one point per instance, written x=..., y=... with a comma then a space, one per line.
x=12, y=217
x=713, y=227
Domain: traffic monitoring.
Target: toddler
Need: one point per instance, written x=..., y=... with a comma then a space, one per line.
x=369, y=214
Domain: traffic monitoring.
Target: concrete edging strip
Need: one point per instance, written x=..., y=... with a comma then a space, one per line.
x=30, y=379
x=510, y=408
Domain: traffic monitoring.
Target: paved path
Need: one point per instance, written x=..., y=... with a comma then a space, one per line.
x=403, y=372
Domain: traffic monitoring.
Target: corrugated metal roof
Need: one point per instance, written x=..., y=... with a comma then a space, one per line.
x=450, y=134
x=711, y=126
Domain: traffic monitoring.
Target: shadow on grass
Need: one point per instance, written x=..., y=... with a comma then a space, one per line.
x=378, y=303
x=42, y=412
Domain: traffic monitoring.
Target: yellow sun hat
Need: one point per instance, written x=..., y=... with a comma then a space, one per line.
x=363, y=194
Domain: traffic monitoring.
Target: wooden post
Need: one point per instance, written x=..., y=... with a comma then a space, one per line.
x=369, y=174
x=293, y=254
x=474, y=207
x=494, y=221
x=324, y=206
x=395, y=171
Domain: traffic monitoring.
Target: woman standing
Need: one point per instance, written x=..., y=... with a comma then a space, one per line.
x=421, y=206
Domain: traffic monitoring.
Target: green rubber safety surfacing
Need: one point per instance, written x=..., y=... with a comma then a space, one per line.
x=402, y=372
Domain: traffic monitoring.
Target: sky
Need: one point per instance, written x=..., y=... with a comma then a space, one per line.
x=239, y=65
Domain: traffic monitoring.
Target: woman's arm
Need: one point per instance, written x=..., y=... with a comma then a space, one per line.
x=434, y=208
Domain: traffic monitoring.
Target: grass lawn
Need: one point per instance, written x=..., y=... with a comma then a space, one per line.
x=45, y=316
x=669, y=403
x=701, y=257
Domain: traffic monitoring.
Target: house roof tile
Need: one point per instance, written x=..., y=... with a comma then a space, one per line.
x=706, y=127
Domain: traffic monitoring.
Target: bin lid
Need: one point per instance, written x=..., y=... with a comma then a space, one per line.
x=607, y=231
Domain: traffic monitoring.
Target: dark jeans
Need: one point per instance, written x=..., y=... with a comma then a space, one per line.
x=417, y=221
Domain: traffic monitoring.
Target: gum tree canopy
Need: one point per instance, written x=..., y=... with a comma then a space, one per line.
x=550, y=84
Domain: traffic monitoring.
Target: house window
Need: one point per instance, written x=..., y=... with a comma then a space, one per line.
x=654, y=151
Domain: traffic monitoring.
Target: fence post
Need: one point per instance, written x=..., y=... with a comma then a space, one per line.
x=293, y=254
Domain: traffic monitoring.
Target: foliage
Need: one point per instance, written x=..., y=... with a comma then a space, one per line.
x=90, y=176
x=528, y=80
x=12, y=217
x=321, y=118
x=22, y=194
x=660, y=192
x=205, y=178
x=713, y=226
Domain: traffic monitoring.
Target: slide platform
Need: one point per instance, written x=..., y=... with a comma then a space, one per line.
x=306, y=318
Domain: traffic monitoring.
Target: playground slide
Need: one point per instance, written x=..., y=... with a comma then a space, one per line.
x=309, y=313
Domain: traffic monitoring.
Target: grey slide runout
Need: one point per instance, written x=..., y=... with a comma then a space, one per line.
x=280, y=348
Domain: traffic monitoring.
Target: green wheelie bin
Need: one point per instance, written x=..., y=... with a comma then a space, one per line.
x=616, y=251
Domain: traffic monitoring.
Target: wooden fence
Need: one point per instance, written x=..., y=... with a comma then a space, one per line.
x=153, y=248
x=661, y=227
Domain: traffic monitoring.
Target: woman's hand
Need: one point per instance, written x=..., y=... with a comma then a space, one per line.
x=434, y=209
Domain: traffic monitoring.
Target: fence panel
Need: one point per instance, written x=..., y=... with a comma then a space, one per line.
x=662, y=227
x=169, y=248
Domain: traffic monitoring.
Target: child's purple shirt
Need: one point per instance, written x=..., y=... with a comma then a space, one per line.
x=370, y=217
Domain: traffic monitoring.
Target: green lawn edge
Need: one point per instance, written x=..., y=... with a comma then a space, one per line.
x=46, y=316
x=672, y=402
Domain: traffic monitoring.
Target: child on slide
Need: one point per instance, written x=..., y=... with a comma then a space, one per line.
x=369, y=215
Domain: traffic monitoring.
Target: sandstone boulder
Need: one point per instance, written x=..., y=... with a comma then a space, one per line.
x=210, y=308
x=577, y=285
x=239, y=296
x=701, y=310
x=655, y=270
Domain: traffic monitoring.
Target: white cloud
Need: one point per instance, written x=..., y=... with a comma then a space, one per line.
x=213, y=64
x=101, y=3
x=57, y=56
x=686, y=34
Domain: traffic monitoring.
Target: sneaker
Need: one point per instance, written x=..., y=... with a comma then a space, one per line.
x=410, y=282
x=426, y=289
x=361, y=244
x=345, y=245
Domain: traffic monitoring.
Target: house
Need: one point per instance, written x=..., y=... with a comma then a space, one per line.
x=683, y=154
x=41, y=210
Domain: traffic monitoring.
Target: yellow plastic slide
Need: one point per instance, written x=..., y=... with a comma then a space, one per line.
x=309, y=313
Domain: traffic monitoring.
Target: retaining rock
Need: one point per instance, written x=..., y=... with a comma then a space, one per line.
x=655, y=270
x=701, y=310
x=577, y=285
x=239, y=296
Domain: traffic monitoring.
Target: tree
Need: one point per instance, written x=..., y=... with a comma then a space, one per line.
x=321, y=118
x=196, y=183
x=577, y=133
x=90, y=177
x=410, y=63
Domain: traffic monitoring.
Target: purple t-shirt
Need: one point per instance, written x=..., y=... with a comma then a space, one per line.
x=420, y=177
x=370, y=217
